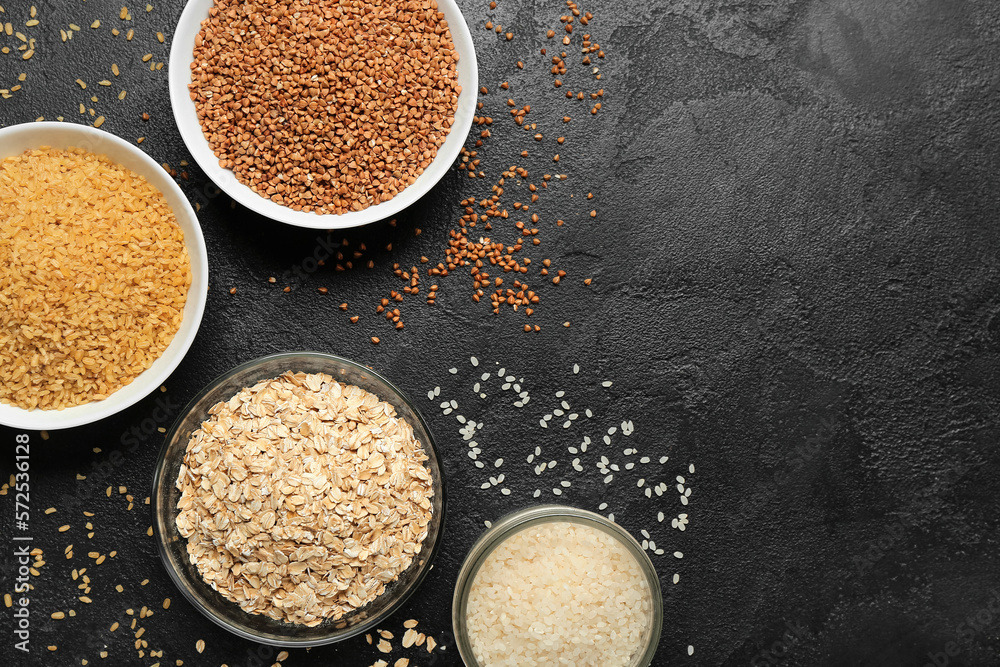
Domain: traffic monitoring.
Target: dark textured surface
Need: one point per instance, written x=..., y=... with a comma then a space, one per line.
x=796, y=289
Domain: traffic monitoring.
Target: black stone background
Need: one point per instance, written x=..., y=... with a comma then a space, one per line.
x=795, y=288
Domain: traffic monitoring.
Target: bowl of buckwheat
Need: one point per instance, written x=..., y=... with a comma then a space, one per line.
x=298, y=500
x=319, y=113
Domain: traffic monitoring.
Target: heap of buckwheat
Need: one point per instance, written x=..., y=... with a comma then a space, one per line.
x=324, y=105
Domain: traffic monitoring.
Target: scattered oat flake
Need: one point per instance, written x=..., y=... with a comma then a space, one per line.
x=384, y=646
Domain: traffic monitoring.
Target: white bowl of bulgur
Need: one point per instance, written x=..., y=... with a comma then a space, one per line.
x=103, y=275
x=319, y=113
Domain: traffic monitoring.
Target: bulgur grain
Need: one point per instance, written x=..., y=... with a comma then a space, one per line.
x=94, y=276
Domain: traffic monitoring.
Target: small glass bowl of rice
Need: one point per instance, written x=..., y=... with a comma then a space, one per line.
x=557, y=585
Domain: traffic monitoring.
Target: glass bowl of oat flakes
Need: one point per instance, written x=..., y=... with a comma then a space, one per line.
x=298, y=500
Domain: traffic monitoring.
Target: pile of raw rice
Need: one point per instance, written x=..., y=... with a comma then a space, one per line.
x=94, y=276
x=558, y=593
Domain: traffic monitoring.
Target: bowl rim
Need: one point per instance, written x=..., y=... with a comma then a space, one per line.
x=518, y=520
x=179, y=75
x=88, y=413
x=178, y=580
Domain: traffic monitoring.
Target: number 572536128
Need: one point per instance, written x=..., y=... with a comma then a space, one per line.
x=21, y=481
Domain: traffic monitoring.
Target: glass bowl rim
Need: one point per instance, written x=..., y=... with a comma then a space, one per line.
x=518, y=520
x=179, y=580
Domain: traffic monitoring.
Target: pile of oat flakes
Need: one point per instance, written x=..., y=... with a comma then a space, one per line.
x=302, y=497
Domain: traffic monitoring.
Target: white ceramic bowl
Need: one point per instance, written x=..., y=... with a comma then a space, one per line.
x=15, y=140
x=181, y=56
